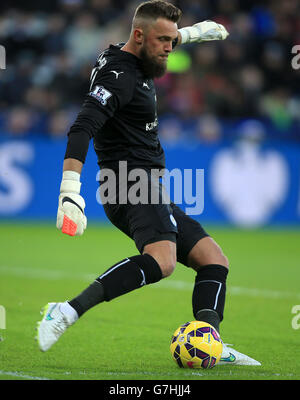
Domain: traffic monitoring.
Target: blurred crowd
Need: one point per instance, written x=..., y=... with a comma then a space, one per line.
x=210, y=90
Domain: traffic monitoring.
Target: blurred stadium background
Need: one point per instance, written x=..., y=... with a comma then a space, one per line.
x=230, y=108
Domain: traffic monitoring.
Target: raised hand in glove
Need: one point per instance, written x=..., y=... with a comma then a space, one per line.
x=70, y=215
x=203, y=32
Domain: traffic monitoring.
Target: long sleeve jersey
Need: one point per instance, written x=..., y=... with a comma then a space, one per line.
x=120, y=114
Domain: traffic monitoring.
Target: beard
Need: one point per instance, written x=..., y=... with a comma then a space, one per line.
x=151, y=68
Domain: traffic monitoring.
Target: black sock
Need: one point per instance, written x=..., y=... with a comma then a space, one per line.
x=123, y=277
x=209, y=294
x=92, y=295
x=130, y=274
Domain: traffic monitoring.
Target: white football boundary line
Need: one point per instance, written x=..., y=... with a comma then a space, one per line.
x=22, y=375
x=109, y=374
x=168, y=283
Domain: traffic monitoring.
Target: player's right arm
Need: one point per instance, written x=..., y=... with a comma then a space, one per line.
x=108, y=93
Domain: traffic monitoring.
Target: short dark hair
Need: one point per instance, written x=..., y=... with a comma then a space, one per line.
x=157, y=9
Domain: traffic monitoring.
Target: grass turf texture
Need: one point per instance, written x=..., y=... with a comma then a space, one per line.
x=129, y=338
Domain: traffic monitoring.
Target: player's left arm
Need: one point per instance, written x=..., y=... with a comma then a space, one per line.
x=201, y=32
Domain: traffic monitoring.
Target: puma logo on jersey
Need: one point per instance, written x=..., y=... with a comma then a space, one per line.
x=145, y=84
x=117, y=73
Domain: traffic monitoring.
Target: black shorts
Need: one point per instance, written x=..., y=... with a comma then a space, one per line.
x=149, y=223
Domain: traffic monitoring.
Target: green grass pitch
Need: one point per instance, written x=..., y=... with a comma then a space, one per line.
x=129, y=338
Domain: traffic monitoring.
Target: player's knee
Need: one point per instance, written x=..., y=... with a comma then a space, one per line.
x=207, y=252
x=165, y=255
x=218, y=257
x=168, y=267
x=221, y=259
x=167, y=264
x=224, y=261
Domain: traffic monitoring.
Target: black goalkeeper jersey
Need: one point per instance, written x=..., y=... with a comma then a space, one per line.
x=119, y=113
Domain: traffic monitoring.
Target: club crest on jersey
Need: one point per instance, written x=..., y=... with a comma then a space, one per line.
x=101, y=94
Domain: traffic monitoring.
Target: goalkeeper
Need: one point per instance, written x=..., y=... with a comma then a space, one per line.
x=120, y=115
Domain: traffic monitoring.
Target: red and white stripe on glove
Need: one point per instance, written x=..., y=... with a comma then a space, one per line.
x=70, y=214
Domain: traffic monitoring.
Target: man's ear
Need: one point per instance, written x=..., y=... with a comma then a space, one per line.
x=138, y=35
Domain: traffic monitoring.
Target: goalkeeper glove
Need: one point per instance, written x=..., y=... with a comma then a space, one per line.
x=202, y=32
x=70, y=215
